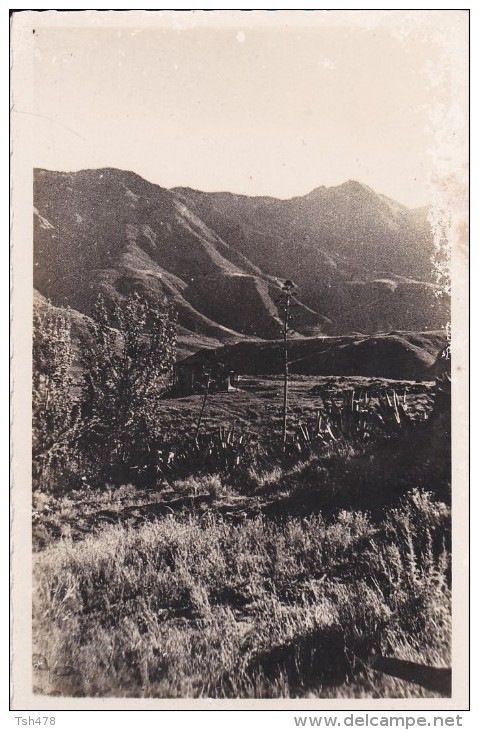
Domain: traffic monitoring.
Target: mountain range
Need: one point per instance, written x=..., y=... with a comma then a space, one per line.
x=361, y=262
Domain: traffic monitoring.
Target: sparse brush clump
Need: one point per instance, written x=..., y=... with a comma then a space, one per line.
x=221, y=450
x=356, y=419
x=197, y=606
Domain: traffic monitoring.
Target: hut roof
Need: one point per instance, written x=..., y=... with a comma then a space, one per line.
x=200, y=357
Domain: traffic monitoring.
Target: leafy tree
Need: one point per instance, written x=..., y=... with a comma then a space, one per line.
x=127, y=365
x=55, y=410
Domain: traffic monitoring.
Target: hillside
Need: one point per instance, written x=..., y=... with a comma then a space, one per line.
x=398, y=355
x=113, y=232
x=361, y=261
x=359, y=258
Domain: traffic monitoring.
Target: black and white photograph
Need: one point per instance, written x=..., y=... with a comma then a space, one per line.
x=241, y=295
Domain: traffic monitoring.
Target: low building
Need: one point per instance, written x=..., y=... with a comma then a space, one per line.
x=200, y=371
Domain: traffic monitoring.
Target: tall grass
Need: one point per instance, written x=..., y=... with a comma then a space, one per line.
x=190, y=606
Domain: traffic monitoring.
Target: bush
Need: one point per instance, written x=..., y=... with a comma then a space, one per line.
x=102, y=425
x=222, y=451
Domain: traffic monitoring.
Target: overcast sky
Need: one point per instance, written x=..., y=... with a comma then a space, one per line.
x=273, y=109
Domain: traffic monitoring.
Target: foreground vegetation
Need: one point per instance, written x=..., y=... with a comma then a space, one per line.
x=200, y=607
x=262, y=575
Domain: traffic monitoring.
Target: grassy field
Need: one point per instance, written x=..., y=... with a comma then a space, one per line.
x=256, y=405
x=280, y=577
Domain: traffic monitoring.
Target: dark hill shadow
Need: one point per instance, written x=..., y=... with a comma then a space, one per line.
x=434, y=679
x=322, y=658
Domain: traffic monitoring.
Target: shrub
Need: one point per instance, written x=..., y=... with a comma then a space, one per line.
x=221, y=451
x=355, y=420
x=127, y=368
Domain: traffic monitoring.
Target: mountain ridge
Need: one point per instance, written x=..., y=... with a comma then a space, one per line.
x=361, y=262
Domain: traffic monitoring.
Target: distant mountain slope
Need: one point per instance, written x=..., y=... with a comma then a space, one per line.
x=361, y=261
x=111, y=231
x=187, y=342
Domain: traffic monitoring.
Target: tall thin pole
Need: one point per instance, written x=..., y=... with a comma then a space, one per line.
x=205, y=397
x=286, y=370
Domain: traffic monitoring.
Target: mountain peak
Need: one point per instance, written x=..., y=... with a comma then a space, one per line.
x=353, y=187
x=350, y=188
